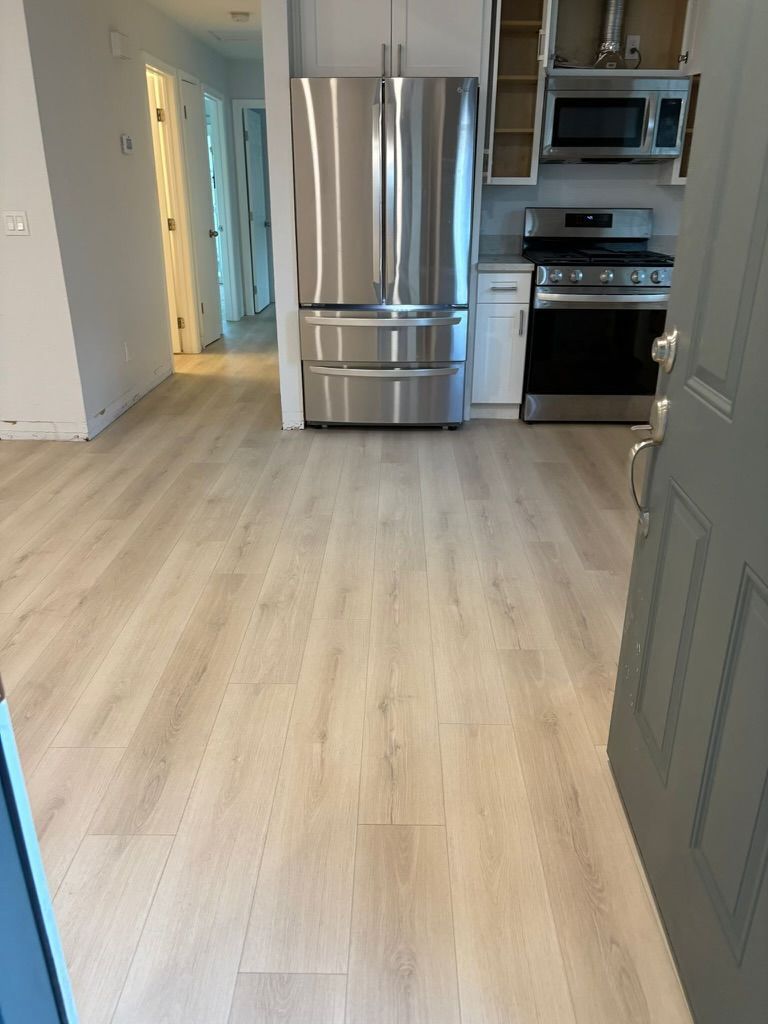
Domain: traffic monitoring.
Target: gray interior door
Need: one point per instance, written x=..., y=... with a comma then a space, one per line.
x=689, y=733
x=337, y=161
x=429, y=157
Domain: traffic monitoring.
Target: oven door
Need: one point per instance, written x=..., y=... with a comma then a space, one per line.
x=598, y=125
x=589, y=355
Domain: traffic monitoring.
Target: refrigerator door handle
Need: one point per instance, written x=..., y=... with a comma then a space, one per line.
x=360, y=321
x=395, y=374
x=389, y=172
x=377, y=170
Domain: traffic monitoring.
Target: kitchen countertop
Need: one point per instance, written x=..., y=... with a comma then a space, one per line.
x=503, y=263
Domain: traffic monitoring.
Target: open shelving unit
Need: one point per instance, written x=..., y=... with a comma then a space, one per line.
x=518, y=75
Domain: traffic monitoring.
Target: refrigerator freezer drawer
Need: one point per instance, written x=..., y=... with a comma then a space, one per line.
x=393, y=395
x=391, y=336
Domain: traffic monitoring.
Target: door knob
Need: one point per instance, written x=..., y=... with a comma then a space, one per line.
x=213, y=234
x=664, y=349
x=658, y=428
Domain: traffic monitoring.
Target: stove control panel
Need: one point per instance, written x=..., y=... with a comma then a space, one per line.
x=605, y=277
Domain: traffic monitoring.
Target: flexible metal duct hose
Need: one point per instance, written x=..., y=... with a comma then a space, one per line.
x=613, y=24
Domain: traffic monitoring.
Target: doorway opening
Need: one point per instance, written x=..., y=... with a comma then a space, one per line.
x=253, y=192
x=218, y=167
x=172, y=203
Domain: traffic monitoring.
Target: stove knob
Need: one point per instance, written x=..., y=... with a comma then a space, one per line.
x=555, y=276
x=606, y=276
x=657, y=276
x=638, y=276
x=576, y=276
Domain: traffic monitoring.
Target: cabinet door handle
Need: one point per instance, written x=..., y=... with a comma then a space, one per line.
x=383, y=60
x=540, y=47
x=522, y=322
x=503, y=288
x=399, y=60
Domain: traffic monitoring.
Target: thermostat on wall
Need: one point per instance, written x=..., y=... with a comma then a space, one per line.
x=126, y=143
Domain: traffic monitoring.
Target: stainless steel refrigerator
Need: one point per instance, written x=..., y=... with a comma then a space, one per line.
x=383, y=172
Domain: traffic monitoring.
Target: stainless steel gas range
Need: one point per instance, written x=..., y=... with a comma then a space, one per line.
x=600, y=299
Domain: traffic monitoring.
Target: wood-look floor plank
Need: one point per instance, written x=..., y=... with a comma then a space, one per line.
x=401, y=779
x=64, y=791
x=400, y=528
x=154, y=779
x=400, y=615
x=315, y=492
x=517, y=613
x=357, y=496
x=185, y=966
x=273, y=645
x=402, y=964
x=289, y=999
x=23, y=638
x=101, y=908
x=509, y=960
x=111, y=706
x=301, y=911
x=53, y=683
x=345, y=585
x=441, y=489
x=593, y=539
x=617, y=963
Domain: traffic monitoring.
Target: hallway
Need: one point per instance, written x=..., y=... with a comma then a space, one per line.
x=314, y=722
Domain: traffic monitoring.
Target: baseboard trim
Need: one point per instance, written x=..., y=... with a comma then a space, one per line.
x=42, y=430
x=101, y=420
x=487, y=411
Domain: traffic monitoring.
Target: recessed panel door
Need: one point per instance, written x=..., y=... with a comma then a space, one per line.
x=689, y=733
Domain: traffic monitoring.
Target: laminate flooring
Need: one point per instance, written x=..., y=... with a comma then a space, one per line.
x=314, y=722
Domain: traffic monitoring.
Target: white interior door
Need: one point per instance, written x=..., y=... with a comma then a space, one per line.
x=258, y=206
x=201, y=210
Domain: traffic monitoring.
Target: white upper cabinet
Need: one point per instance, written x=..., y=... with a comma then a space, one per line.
x=391, y=37
x=431, y=37
x=344, y=38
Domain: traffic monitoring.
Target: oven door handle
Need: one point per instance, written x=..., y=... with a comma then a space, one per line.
x=633, y=300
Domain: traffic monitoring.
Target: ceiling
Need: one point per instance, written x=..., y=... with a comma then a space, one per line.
x=210, y=21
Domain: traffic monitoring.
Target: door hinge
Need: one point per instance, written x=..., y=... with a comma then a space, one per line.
x=250, y=216
x=245, y=134
x=160, y=114
x=181, y=323
x=683, y=57
x=171, y=223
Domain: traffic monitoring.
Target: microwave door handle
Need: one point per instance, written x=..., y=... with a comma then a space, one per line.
x=649, y=129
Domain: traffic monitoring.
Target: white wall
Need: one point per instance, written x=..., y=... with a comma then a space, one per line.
x=583, y=185
x=246, y=79
x=40, y=393
x=105, y=203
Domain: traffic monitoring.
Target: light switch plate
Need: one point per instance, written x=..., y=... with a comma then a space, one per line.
x=15, y=222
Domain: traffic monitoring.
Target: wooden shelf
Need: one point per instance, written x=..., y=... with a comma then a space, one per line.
x=512, y=26
x=518, y=78
x=513, y=131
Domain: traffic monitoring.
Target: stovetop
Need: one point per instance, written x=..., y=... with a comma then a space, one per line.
x=605, y=256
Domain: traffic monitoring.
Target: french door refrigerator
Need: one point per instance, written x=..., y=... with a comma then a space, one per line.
x=383, y=171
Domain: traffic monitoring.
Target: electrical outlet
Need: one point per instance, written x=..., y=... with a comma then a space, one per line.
x=632, y=48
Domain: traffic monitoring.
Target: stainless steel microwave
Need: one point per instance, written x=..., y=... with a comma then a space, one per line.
x=603, y=117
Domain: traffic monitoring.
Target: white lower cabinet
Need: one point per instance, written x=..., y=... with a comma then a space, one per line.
x=500, y=333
